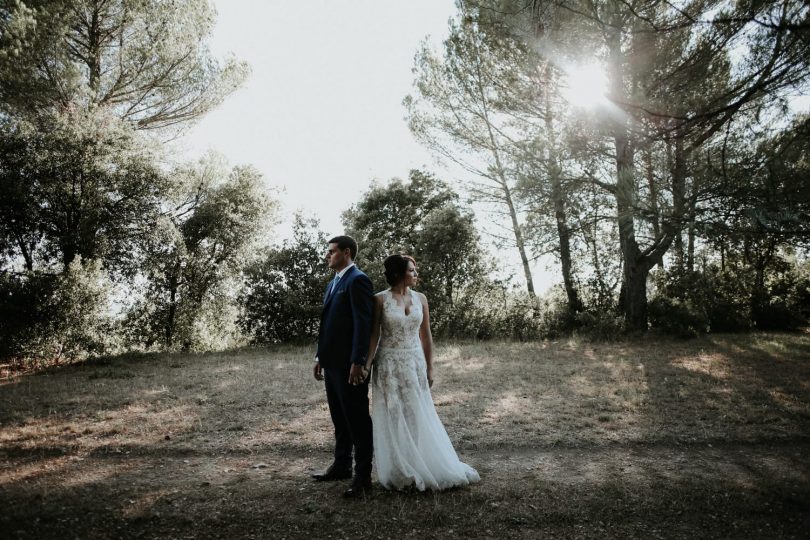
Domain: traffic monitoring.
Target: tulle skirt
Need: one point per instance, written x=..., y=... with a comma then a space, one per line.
x=411, y=446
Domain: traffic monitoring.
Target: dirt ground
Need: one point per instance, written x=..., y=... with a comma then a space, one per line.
x=654, y=438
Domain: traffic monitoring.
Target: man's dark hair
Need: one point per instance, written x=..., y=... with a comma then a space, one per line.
x=344, y=242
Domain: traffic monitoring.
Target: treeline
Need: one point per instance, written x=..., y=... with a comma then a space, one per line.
x=680, y=203
x=682, y=199
x=105, y=244
x=422, y=216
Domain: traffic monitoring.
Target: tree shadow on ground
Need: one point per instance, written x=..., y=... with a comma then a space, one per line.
x=572, y=439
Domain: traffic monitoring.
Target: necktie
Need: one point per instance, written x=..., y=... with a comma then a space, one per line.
x=334, y=284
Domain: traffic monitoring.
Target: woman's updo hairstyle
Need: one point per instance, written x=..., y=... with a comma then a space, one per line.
x=396, y=266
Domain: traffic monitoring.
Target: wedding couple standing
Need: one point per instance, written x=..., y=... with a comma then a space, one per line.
x=392, y=330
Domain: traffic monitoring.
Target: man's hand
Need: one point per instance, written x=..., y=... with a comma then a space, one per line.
x=356, y=375
x=317, y=371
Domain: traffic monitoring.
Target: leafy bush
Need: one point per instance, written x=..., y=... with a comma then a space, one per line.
x=282, y=296
x=727, y=315
x=50, y=318
x=23, y=312
x=785, y=305
x=556, y=319
x=491, y=314
x=731, y=300
x=520, y=319
x=600, y=325
x=776, y=314
x=678, y=317
x=422, y=217
x=721, y=296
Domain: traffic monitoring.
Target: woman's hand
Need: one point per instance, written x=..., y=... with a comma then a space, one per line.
x=430, y=377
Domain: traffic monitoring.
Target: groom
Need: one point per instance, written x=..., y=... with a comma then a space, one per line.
x=343, y=342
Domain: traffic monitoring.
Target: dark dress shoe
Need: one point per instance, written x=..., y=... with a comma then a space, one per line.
x=333, y=473
x=358, y=488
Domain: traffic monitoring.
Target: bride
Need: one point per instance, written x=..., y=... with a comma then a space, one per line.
x=411, y=445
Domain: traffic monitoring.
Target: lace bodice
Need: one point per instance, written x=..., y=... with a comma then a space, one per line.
x=400, y=330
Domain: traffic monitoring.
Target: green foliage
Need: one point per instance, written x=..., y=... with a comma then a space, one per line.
x=77, y=184
x=422, y=218
x=282, y=295
x=785, y=304
x=48, y=318
x=678, y=317
x=387, y=219
x=451, y=266
x=80, y=82
x=680, y=96
x=146, y=61
x=23, y=312
x=728, y=300
x=495, y=313
x=596, y=325
x=720, y=297
x=195, y=251
x=776, y=314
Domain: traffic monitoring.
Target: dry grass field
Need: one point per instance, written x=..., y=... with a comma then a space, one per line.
x=654, y=438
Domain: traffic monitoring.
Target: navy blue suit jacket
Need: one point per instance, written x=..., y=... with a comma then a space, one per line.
x=345, y=330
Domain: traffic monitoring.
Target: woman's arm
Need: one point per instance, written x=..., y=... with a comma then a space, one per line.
x=375, y=331
x=426, y=337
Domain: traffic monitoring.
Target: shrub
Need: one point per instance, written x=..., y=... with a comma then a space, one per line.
x=497, y=315
x=23, y=312
x=600, y=325
x=776, y=314
x=282, y=293
x=49, y=318
x=723, y=297
x=727, y=315
x=678, y=317
x=556, y=317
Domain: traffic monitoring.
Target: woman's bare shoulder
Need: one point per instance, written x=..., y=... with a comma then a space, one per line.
x=380, y=296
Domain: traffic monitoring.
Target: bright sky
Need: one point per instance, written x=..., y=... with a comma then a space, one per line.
x=321, y=115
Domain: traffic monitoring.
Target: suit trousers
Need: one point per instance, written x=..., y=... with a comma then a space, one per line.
x=348, y=406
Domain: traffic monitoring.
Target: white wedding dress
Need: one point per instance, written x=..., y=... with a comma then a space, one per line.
x=411, y=446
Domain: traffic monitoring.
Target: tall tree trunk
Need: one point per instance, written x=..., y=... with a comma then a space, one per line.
x=564, y=236
x=519, y=240
x=633, y=297
x=759, y=292
x=68, y=252
x=174, y=281
x=504, y=186
x=678, y=198
x=690, y=243
x=652, y=185
x=591, y=240
x=94, y=51
x=26, y=252
x=558, y=198
x=637, y=263
x=448, y=291
x=690, y=231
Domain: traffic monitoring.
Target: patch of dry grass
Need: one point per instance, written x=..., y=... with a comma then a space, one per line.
x=572, y=393
x=573, y=439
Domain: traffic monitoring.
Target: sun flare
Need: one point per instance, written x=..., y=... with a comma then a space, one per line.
x=585, y=85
